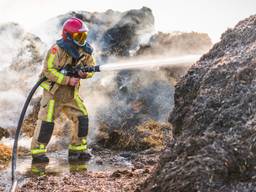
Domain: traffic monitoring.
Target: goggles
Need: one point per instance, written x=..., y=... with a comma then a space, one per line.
x=79, y=38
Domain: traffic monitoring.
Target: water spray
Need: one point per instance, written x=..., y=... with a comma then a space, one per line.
x=149, y=64
x=73, y=72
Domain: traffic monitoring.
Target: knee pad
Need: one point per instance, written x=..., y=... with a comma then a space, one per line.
x=45, y=132
x=83, y=123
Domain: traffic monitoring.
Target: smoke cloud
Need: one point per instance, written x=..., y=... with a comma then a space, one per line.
x=22, y=54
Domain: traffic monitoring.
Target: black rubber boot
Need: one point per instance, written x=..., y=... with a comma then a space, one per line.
x=85, y=156
x=73, y=156
x=40, y=159
x=78, y=156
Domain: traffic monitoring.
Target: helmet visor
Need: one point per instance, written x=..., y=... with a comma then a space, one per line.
x=79, y=37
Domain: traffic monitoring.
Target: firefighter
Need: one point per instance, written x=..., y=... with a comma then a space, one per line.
x=61, y=93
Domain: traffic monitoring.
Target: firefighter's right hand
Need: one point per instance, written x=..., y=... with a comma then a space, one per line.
x=73, y=81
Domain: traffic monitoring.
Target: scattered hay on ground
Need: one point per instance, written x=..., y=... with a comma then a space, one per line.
x=5, y=156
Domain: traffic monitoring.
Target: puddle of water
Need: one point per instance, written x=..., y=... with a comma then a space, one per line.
x=59, y=165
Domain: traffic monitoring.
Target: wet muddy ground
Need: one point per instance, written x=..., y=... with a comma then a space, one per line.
x=106, y=171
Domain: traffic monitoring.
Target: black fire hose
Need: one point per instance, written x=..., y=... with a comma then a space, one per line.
x=15, y=144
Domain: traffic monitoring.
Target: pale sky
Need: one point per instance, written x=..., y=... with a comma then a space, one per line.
x=210, y=16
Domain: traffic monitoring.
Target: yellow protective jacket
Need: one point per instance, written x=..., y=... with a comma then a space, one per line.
x=57, y=83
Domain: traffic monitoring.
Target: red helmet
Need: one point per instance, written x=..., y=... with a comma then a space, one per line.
x=75, y=29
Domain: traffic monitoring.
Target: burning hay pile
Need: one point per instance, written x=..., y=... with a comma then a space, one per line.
x=150, y=134
x=136, y=100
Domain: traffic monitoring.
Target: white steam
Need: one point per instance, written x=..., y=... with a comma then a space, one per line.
x=17, y=71
x=10, y=38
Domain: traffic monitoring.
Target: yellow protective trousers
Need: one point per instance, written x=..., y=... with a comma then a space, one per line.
x=51, y=107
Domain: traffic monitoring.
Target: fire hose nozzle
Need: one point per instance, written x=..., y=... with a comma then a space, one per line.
x=97, y=68
x=91, y=68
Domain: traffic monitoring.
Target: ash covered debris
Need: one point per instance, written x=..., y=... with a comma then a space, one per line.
x=214, y=120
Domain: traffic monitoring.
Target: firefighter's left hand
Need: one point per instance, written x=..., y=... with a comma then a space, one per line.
x=82, y=75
